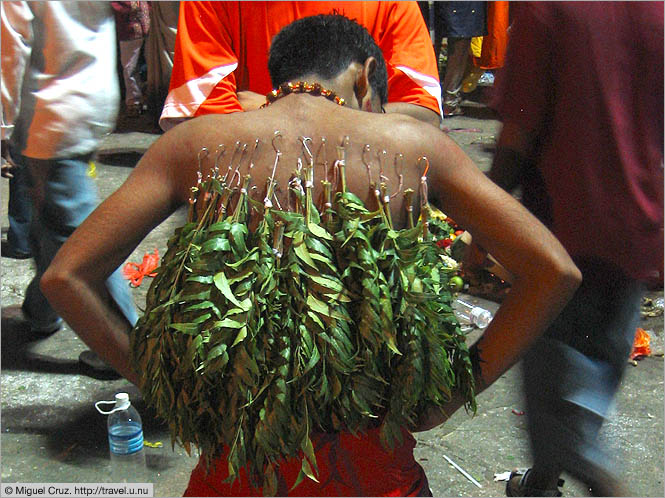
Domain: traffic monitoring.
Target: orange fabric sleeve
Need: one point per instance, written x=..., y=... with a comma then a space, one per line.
x=204, y=53
x=413, y=75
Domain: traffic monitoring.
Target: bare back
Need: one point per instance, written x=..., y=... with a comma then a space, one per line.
x=377, y=148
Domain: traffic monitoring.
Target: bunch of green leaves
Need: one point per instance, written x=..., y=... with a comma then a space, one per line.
x=255, y=340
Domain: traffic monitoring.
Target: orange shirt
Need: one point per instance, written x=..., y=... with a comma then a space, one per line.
x=222, y=47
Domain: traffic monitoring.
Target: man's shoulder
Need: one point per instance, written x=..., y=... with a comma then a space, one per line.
x=406, y=128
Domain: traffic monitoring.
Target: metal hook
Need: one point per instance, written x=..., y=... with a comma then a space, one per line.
x=420, y=159
x=230, y=166
x=380, y=157
x=203, y=153
x=366, y=150
x=399, y=171
x=237, y=170
x=277, y=135
x=322, y=149
x=340, y=163
x=309, y=171
x=423, y=182
x=251, y=158
x=250, y=164
x=310, y=156
x=221, y=150
x=267, y=202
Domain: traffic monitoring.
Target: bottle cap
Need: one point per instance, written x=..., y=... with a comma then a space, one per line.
x=481, y=317
x=122, y=401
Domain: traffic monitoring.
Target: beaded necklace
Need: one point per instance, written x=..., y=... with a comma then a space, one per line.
x=302, y=87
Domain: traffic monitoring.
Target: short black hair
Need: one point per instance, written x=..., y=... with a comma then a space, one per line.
x=325, y=45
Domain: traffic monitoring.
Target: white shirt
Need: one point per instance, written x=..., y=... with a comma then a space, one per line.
x=60, y=92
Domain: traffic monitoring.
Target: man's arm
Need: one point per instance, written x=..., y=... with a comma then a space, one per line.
x=251, y=101
x=424, y=114
x=74, y=283
x=545, y=277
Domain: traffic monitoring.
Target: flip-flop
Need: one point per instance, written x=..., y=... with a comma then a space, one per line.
x=516, y=486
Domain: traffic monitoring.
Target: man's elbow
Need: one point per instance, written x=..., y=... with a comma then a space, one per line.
x=567, y=277
x=53, y=283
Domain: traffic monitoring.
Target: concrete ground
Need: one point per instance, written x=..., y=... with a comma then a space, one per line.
x=52, y=433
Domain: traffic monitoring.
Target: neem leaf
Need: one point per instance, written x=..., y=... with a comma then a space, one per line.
x=301, y=251
x=223, y=285
x=186, y=328
x=241, y=335
x=319, y=231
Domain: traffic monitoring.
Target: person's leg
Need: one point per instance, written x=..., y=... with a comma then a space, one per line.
x=460, y=22
x=19, y=213
x=130, y=51
x=63, y=196
x=571, y=377
x=458, y=57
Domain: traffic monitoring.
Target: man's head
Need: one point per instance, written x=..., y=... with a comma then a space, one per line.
x=331, y=48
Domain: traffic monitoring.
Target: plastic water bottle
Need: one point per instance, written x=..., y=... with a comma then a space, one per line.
x=125, y=434
x=475, y=315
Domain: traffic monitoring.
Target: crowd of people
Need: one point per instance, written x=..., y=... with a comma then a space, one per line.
x=582, y=137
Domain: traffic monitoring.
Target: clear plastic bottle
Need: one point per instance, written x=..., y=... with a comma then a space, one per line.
x=125, y=434
x=474, y=315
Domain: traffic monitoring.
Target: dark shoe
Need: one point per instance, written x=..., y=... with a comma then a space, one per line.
x=42, y=330
x=517, y=486
x=9, y=252
x=95, y=367
x=134, y=110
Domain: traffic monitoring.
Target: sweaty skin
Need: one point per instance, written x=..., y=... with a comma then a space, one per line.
x=545, y=277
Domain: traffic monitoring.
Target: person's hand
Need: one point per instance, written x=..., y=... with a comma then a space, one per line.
x=434, y=416
x=475, y=257
x=250, y=101
x=7, y=162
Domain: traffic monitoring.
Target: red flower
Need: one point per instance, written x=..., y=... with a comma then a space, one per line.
x=135, y=273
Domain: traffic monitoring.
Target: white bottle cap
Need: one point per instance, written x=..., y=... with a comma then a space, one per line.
x=122, y=401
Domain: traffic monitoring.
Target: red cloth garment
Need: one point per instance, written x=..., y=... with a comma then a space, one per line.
x=348, y=466
x=222, y=47
x=599, y=131
x=495, y=42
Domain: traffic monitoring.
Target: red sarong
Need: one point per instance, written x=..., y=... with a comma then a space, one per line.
x=348, y=466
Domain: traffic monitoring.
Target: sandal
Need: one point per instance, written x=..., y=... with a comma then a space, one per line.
x=516, y=486
x=452, y=104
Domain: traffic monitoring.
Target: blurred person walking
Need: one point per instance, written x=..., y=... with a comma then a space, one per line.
x=581, y=100
x=159, y=53
x=132, y=20
x=59, y=98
